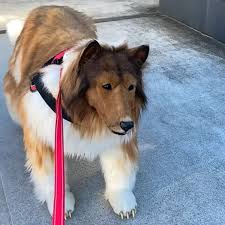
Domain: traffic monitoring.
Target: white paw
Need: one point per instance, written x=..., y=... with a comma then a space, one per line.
x=69, y=204
x=123, y=203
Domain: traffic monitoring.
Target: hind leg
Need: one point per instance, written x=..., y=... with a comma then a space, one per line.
x=40, y=162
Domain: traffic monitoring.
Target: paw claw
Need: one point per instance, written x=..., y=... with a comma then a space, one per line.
x=128, y=215
x=123, y=203
x=133, y=213
x=68, y=214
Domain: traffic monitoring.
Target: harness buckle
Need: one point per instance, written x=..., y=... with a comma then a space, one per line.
x=33, y=88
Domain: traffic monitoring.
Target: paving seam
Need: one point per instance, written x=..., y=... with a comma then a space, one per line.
x=117, y=18
x=10, y=216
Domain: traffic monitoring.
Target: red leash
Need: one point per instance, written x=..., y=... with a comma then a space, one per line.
x=59, y=192
x=59, y=195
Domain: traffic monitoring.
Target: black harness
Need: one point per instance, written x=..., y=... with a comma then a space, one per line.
x=38, y=85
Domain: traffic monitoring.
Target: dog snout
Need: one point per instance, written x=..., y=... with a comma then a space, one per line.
x=126, y=125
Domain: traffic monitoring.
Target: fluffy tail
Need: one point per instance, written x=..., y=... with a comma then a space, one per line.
x=14, y=28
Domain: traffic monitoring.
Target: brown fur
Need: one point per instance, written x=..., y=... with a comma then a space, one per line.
x=89, y=105
x=112, y=65
x=93, y=109
x=38, y=154
x=47, y=31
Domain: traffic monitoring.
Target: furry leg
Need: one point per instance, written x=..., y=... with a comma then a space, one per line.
x=120, y=175
x=40, y=162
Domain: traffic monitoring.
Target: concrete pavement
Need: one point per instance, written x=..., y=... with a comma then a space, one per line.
x=181, y=180
x=97, y=9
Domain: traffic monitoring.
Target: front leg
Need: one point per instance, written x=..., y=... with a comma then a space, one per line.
x=119, y=166
x=40, y=162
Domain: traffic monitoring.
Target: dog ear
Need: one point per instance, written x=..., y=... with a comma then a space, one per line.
x=139, y=54
x=92, y=50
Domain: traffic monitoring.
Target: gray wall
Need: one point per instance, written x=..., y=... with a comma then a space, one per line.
x=207, y=16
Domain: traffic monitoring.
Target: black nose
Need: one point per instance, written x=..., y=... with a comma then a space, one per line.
x=126, y=125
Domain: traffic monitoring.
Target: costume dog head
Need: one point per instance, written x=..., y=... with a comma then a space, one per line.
x=106, y=82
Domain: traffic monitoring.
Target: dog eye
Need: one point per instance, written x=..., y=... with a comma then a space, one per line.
x=131, y=87
x=107, y=86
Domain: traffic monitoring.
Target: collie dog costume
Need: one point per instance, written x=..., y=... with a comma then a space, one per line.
x=102, y=97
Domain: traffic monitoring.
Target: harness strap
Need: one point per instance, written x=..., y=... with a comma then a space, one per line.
x=57, y=59
x=38, y=85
